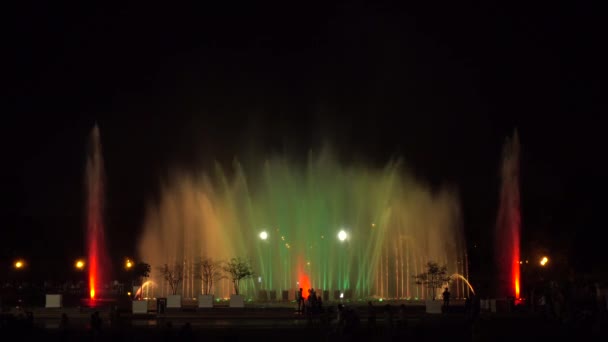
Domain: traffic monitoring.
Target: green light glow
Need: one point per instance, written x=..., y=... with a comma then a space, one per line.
x=395, y=225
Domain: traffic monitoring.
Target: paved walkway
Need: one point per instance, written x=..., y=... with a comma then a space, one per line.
x=283, y=323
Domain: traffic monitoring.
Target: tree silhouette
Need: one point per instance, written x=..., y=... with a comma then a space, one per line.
x=173, y=275
x=238, y=270
x=210, y=272
x=140, y=271
x=434, y=277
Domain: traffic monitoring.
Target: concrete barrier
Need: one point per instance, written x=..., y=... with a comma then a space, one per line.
x=139, y=306
x=53, y=301
x=174, y=302
x=205, y=301
x=237, y=301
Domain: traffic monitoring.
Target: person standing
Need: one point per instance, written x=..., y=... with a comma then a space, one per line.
x=300, y=299
x=446, y=299
x=371, y=316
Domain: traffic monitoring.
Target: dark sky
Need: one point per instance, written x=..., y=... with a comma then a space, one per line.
x=440, y=85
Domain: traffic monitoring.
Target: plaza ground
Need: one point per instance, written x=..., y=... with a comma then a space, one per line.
x=274, y=322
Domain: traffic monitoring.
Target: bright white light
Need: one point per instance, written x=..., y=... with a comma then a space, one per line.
x=263, y=235
x=342, y=235
x=341, y=295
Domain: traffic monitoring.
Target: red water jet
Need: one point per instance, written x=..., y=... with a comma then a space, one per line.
x=97, y=258
x=508, y=224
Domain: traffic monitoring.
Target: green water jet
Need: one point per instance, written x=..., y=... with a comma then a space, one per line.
x=394, y=225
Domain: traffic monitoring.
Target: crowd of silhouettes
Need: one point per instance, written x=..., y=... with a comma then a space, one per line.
x=96, y=324
x=314, y=304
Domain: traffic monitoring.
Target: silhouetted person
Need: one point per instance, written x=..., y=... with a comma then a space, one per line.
x=63, y=325
x=542, y=305
x=312, y=300
x=185, y=333
x=371, y=316
x=300, y=299
x=402, y=318
x=340, y=317
x=95, y=324
x=93, y=321
x=475, y=307
x=476, y=331
x=319, y=304
x=388, y=315
x=29, y=319
x=467, y=308
x=446, y=299
x=168, y=331
x=351, y=323
x=113, y=315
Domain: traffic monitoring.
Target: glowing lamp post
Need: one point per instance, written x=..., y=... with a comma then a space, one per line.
x=128, y=267
x=543, y=261
x=79, y=264
x=264, y=237
x=342, y=236
x=19, y=264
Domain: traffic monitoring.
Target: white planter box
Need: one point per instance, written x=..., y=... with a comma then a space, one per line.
x=139, y=306
x=237, y=301
x=53, y=301
x=433, y=306
x=174, y=302
x=205, y=301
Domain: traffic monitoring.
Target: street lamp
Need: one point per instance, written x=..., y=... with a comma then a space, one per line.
x=19, y=264
x=79, y=264
x=128, y=264
x=543, y=261
x=264, y=237
x=342, y=235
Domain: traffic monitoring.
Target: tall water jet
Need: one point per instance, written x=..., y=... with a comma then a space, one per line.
x=393, y=225
x=98, y=261
x=508, y=224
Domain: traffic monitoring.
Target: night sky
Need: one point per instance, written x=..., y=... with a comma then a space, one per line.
x=441, y=86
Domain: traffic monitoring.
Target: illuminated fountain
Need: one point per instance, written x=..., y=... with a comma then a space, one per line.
x=144, y=290
x=508, y=223
x=353, y=229
x=98, y=261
